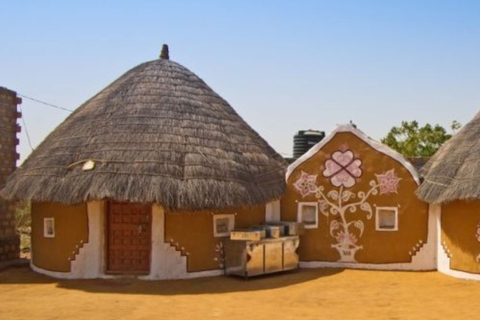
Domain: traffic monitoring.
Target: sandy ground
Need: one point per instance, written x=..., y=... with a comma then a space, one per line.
x=305, y=294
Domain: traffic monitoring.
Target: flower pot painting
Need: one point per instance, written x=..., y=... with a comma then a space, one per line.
x=342, y=170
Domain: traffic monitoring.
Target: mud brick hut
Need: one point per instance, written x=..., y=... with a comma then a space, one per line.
x=452, y=187
x=147, y=178
x=357, y=199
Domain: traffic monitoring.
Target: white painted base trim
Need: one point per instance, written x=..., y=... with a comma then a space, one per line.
x=188, y=275
x=372, y=266
x=64, y=275
x=443, y=261
x=54, y=274
x=458, y=274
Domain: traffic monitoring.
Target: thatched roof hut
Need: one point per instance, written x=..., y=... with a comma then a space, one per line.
x=453, y=173
x=157, y=134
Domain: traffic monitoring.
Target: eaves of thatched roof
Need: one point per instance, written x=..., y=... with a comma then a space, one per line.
x=453, y=173
x=158, y=134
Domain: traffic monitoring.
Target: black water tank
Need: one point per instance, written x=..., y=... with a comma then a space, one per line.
x=304, y=140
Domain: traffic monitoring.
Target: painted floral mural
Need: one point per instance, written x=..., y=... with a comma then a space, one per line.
x=306, y=184
x=343, y=170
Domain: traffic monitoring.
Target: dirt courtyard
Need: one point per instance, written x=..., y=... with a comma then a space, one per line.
x=304, y=294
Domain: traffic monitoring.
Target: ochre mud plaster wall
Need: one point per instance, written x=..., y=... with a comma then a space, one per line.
x=460, y=235
x=368, y=168
x=71, y=233
x=9, y=240
x=192, y=234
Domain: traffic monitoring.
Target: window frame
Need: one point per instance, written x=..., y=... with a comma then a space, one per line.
x=300, y=214
x=377, y=218
x=231, y=224
x=46, y=221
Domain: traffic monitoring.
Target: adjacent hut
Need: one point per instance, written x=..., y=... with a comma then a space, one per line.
x=357, y=200
x=147, y=177
x=452, y=187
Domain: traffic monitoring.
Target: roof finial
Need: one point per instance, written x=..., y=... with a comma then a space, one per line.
x=164, y=54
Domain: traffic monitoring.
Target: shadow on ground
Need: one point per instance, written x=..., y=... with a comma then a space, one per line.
x=210, y=285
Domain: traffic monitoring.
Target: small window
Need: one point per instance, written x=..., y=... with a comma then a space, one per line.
x=308, y=214
x=223, y=224
x=387, y=219
x=49, y=227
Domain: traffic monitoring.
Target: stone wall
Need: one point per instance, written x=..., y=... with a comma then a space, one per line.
x=9, y=240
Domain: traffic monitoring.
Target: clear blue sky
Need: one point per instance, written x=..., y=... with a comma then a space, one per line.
x=283, y=65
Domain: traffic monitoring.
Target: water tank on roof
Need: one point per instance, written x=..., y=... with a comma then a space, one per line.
x=304, y=140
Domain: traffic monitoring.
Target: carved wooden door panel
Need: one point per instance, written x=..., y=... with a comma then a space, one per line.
x=129, y=238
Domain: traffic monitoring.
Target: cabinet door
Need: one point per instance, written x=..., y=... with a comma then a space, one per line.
x=290, y=256
x=255, y=254
x=273, y=256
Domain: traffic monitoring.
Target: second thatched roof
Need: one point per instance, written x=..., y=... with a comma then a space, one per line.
x=453, y=173
x=156, y=134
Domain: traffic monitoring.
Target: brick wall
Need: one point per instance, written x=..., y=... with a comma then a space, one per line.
x=9, y=240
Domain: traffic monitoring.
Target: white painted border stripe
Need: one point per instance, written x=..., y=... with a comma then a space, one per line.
x=374, y=144
x=70, y=275
x=368, y=266
x=189, y=275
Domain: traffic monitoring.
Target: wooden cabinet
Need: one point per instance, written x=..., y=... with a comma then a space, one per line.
x=248, y=258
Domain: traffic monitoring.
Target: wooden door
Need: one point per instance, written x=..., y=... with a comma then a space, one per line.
x=129, y=238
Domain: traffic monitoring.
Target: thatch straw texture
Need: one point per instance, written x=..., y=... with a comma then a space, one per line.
x=454, y=171
x=157, y=134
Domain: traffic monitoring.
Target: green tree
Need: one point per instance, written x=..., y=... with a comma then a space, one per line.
x=411, y=140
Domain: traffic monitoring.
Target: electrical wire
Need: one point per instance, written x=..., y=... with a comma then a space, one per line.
x=43, y=102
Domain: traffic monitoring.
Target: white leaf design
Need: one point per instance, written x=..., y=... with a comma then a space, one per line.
x=347, y=195
x=323, y=207
x=334, y=225
x=366, y=207
x=333, y=194
x=360, y=226
x=361, y=195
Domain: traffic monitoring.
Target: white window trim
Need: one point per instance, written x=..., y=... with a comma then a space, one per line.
x=377, y=221
x=231, y=224
x=299, y=214
x=45, y=222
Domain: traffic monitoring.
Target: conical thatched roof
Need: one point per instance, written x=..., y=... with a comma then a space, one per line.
x=454, y=171
x=156, y=134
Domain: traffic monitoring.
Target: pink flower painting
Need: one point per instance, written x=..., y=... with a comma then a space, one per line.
x=388, y=182
x=343, y=169
x=346, y=239
x=306, y=184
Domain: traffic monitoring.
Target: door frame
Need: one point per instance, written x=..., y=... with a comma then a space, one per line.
x=106, y=240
